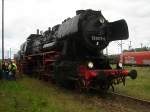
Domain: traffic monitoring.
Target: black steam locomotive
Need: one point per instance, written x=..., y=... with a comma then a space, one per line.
x=71, y=53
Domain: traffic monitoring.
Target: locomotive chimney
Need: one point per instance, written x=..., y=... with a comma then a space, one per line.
x=41, y=32
x=49, y=28
x=37, y=31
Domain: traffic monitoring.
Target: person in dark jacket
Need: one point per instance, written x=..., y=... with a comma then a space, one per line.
x=1, y=71
x=5, y=70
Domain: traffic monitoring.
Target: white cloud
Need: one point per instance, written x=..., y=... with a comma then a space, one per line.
x=23, y=17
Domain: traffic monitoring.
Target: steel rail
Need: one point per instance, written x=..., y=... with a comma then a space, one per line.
x=130, y=98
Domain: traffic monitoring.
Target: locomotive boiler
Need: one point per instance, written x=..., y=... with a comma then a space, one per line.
x=71, y=53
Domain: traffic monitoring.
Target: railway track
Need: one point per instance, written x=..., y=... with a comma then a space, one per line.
x=115, y=102
x=131, y=99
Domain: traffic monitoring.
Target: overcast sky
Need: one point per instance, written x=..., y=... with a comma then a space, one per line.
x=23, y=17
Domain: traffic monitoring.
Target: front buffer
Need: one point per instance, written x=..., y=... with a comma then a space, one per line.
x=103, y=79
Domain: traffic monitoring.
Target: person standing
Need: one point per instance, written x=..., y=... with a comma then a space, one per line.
x=1, y=71
x=12, y=70
x=5, y=70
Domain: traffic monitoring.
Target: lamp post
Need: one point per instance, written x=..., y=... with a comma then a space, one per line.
x=121, y=54
x=2, y=30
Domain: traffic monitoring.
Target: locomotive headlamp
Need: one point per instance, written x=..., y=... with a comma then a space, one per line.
x=120, y=65
x=101, y=20
x=90, y=64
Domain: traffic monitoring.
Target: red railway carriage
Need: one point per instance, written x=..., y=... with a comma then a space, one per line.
x=136, y=58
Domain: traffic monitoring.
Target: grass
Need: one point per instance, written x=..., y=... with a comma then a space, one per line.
x=31, y=95
x=139, y=87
